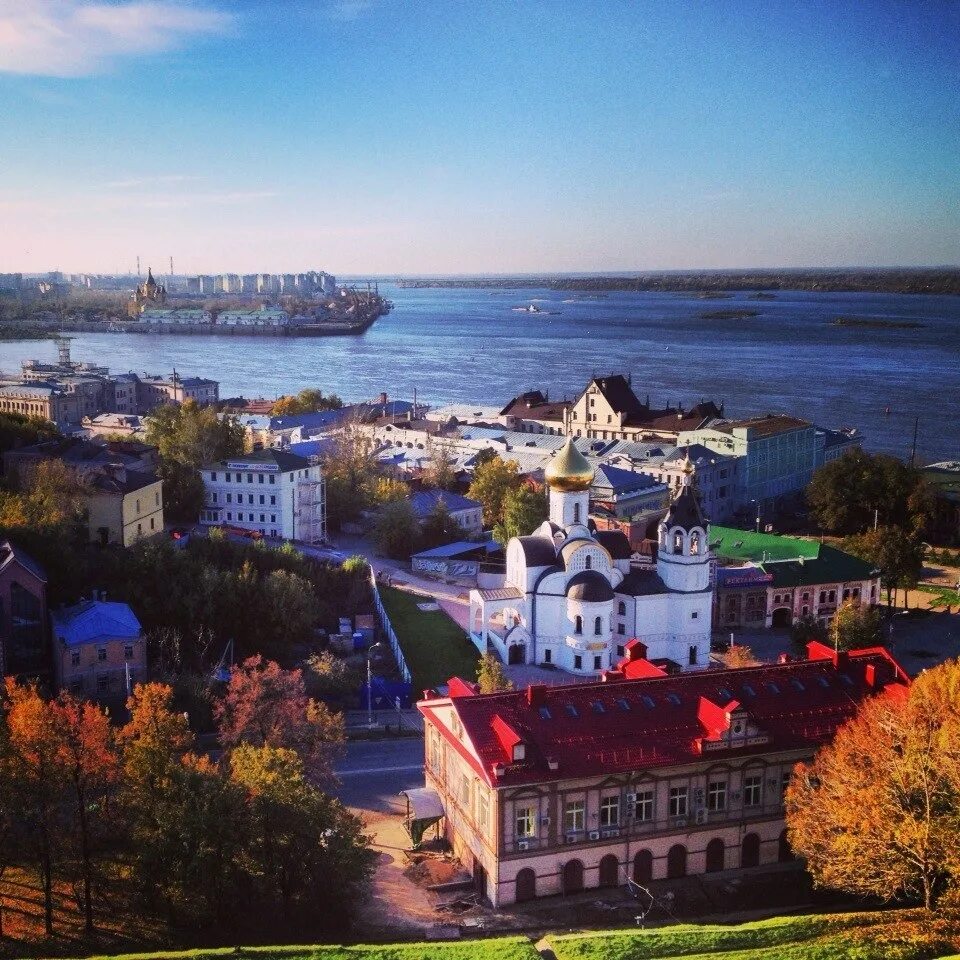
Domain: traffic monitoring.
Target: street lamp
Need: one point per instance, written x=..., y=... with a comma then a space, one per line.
x=757, y=502
x=370, y=651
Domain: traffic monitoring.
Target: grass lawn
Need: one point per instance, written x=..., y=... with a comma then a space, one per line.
x=502, y=948
x=889, y=935
x=943, y=596
x=435, y=647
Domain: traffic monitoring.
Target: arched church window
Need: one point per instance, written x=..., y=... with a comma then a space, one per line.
x=678, y=542
x=578, y=625
x=598, y=626
x=576, y=513
x=588, y=562
x=695, y=544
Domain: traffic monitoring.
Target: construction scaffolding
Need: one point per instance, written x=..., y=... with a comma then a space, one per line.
x=310, y=510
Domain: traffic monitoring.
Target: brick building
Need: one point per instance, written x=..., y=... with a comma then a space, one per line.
x=23, y=614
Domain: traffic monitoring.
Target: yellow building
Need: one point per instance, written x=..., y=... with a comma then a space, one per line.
x=124, y=506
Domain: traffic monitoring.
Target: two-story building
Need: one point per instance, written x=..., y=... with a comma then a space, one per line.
x=764, y=580
x=642, y=776
x=272, y=492
x=99, y=650
x=123, y=506
x=468, y=513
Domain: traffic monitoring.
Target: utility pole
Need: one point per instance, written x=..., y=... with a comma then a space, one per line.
x=913, y=451
x=138, y=266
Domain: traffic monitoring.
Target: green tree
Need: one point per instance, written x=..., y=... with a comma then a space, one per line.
x=850, y=493
x=20, y=430
x=896, y=553
x=524, y=509
x=491, y=677
x=492, y=481
x=855, y=626
x=350, y=472
x=194, y=435
x=183, y=491
x=388, y=490
x=440, y=473
x=805, y=629
x=439, y=528
x=396, y=532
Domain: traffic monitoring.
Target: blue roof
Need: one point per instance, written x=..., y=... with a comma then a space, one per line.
x=622, y=481
x=311, y=448
x=455, y=549
x=424, y=502
x=95, y=621
x=314, y=421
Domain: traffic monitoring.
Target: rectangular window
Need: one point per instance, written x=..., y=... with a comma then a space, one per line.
x=483, y=810
x=128, y=652
x=227, y=477
x=574, y=816
x=678, y=801
x=596, y=663
x=578, y=662
x=526, y=822
x=103, y=683
x=610, y=812
x=261, y=499
x=548, y=656
x=621, y=630
x=229, y=498
x=75, y=658
x=643, y=806
x=259, y=478
x=213, y=476
x=249, y=478
x=272, y=478
x=752, y=791
x=717, y=795
x=273, y=501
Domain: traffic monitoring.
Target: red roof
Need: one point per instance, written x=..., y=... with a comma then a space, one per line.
x=622, y=725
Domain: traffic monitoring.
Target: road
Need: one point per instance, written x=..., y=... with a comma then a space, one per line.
x=373, y=772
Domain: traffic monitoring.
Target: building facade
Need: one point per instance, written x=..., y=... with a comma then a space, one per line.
x=641, y=777
x=763, y=580
x=99, y=651
x=271, y=492
x=571, y=598
x=123, y=506
x=23, y=614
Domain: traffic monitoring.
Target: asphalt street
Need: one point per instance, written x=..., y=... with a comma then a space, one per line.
x=373, y=772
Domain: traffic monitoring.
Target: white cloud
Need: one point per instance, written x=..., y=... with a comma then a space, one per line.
x=70, y=38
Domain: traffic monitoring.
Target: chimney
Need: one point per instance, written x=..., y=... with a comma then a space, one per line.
x=870, y=675
x=553, y=763
x=536, y=694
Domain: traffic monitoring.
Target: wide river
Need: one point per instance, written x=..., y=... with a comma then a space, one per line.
x=472, y=346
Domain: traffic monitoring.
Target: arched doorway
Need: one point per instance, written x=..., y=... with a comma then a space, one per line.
x=716, y=855
x=750, y=851
x=784, y=850
x=573, y=876
x=526, y=885
x=677, y=862
x=517, y=653
x=609, y=871
x=643, y=867
x=782, y=617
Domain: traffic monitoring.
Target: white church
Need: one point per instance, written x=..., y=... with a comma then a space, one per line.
x=571, y=598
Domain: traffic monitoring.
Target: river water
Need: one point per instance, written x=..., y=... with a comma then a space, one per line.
x=472, y=346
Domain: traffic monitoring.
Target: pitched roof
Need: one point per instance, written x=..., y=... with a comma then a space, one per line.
x=766, y=426
x=126, y=481
x=424, y=502
x=734, y=544
x=538, y=551
x=622, y=481
x=283, y=459
x=685, y=510
x=619, y=394
x=534, y=404
x=642, y=583
x=615, y=542
x=92, y=621
x=603, y=728
x=10, y=554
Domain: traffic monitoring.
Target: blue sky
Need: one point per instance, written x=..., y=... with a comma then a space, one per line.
x=402, y=137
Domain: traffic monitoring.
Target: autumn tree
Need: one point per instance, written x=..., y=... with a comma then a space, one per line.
x=440, y=473
x=877, y=812
x=388, y=490
x=265, y=705
x=492, y=481
x=50, y=494
x=739, y=655
x=491, y=677
x=524, y=509
x=350, y=472
x=38, y=776
x=306, y=401
x=88, y=758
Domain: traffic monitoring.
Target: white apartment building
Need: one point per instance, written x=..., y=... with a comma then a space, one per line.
x=271, y=492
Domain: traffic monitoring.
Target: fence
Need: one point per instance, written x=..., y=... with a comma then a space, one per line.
x=388, y=629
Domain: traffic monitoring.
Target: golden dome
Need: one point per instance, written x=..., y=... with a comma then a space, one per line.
x=568, y=470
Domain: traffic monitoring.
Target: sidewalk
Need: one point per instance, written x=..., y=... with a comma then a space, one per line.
x=409, y=719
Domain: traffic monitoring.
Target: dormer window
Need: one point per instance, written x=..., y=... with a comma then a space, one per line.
x=519, y=752
x=588, y=562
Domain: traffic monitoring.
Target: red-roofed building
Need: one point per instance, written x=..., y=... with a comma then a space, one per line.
x=643, y=775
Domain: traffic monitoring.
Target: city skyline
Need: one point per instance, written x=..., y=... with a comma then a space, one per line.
x=369, y=136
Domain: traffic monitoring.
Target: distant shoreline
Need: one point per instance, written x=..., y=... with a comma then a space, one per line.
x=943, y=282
